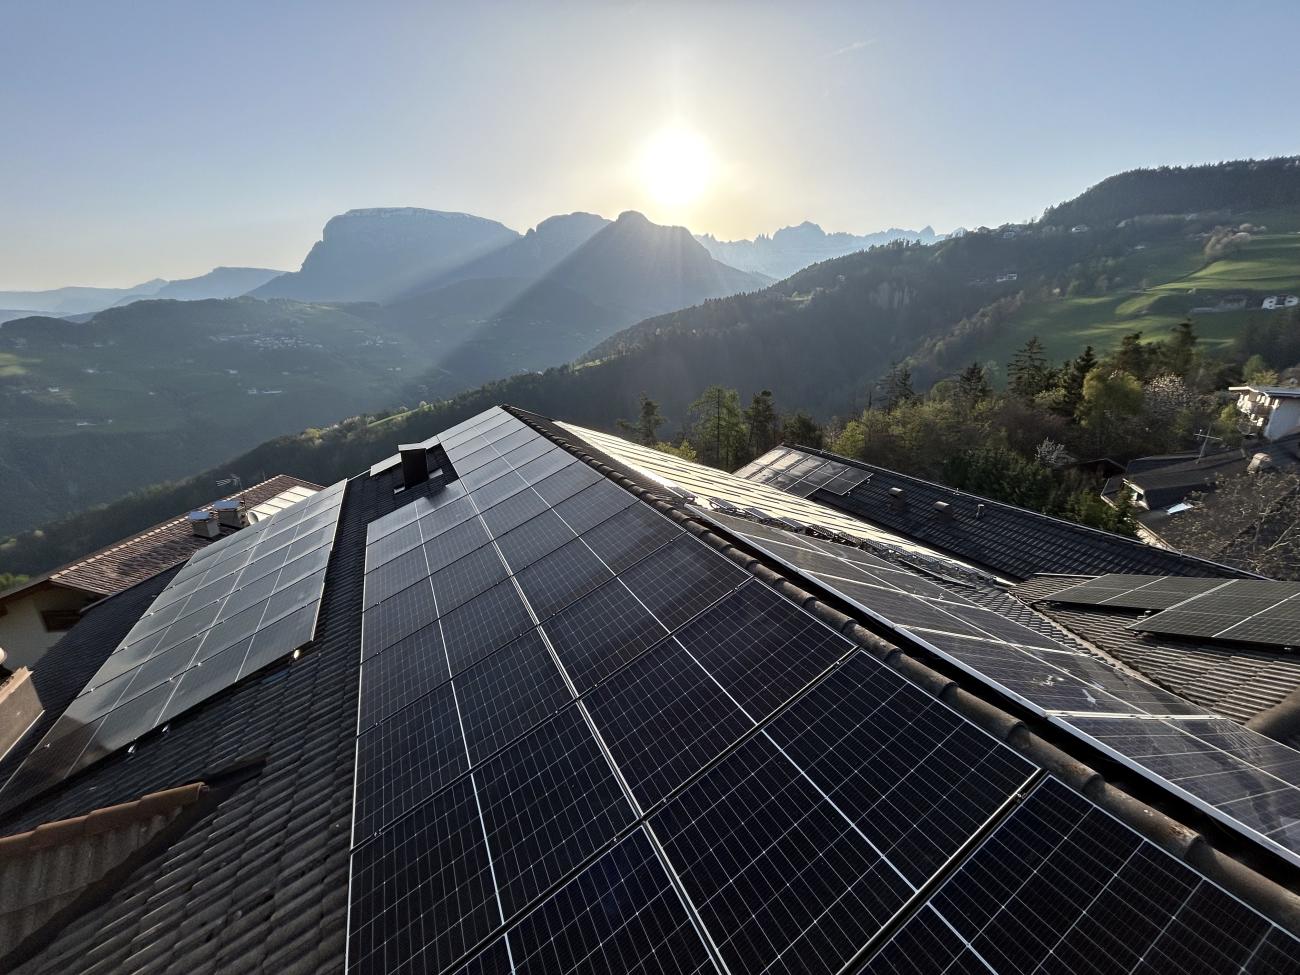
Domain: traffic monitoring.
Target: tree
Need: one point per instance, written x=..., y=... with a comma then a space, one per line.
x=1179, y=353
x=1134, y=356
x=1072, y=380
x=1110, y=397
x=1028, y=373
x=800, y=428
x=1257, y=373
x=898, y=386
x=761, y=419
x=684, y=450
x=973, y=384
x=1251, y=521
x=718, y=429
x=649, y=420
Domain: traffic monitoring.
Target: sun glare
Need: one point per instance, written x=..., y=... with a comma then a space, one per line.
x=676, y=166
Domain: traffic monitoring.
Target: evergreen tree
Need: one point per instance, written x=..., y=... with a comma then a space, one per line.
x=761, y=419
x=1134, y=356
x=1028, y=372
x=649, y=420
x=898, y=386
x=1074, y=376
x=973, y=384
x=800, y=428
x=1179, y=353
x=719, y=435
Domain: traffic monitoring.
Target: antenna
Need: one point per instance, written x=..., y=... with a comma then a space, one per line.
x=1205, y=439
x=231, y=479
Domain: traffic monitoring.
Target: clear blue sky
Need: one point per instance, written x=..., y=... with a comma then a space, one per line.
x=147, y=139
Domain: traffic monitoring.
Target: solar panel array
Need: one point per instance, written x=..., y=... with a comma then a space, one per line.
x=801, y=473
x=614, y=750
x=1061, y=681
x=236, y=606
x=1123, y=591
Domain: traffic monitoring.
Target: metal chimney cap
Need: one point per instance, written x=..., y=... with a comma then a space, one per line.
x=199, y=515
x=896, y=492
x=228, y=504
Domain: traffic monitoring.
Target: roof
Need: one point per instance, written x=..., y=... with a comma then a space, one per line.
x=1005, y=539
x=260, y=881
x=1236, y=681
x=1285, y=392
x=125, y=563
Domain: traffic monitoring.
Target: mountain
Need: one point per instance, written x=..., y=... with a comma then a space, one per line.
x=220, y=282
x=76, y=300
x=625, y=271
x=791, y=249
x=381, y=253
x=527, y=258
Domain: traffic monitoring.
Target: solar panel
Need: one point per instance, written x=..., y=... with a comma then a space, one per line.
x=779, y=876
x=542, y=534
x=600, y=632
x=549, y=801
x=465, y=578
x=489, y=620
x=630, y=535
x=681, y=579
x=396, y=617
x=1128, y=591
x=1063, y=886
x=408, y=669
x=235, y=607
x=557, y=579
x=621, y=914
x=592, y=505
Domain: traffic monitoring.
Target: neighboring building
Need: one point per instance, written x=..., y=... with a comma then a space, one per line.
x=34, y=615
x=529, y=698
x=1273, y=302
x=1270, y=412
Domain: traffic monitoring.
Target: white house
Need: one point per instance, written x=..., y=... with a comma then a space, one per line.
x=1270, y=411
x=1273, y=302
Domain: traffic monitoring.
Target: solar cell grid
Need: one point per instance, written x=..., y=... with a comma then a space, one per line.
x=408, y=669
x=662, y=719
x=533, y=539
x=392, y=545
x=487, y=621
x=518, y=457
x=517, y=438
x=455, y=512
x=781, y=879
x=444, y=549
x=681, y=579
x=465, y=578
x=273, y=640
x=485, y=473
x=901, y=608
x=600, y=632
x=621, y=914
x=208, y=676
x=549, y=801
x=630, y=535
x=1276, y=631
x=396, y=617
x=496, y=491
x=513, y=511
x=557, y=579
x=917, y=779
x=592, y=505
x=761, y=648
x=566, y=482
x=421, y=892
x=507, y=693
x=395, y=575
x=537, y=470
x=406, y=758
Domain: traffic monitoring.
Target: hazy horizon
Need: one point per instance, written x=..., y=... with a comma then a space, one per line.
x=206, y=136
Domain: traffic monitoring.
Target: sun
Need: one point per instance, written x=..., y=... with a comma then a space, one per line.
x=677, y=166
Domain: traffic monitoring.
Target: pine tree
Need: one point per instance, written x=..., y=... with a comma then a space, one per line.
x=1179, y=353
x=898, y=386
x=800, y=428
x=973, y=384
x=1028, y=373
x=760, y=418
x=1075, y=374
x=649, y=420
x=719, y=430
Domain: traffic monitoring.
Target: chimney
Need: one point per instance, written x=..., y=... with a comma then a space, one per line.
x=231, y=513
x=415, y=464
x=204, y=524
x=944, y=510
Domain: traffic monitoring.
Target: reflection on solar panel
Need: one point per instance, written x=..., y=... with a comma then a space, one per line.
x=1056, y=679
x=236, y=606
x=1123, y=591
x=1062, y=886
x=802, y=474
x=670, y=767
x=1242, y=610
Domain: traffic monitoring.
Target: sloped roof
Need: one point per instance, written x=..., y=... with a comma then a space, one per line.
x=1008, y=540
x=125, y=563
x=261, y=884
x=1238, y=682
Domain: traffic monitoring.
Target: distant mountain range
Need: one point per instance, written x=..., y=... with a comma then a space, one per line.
x=220, y=282
x=791, y=249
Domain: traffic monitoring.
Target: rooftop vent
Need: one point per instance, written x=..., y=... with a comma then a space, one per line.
x=896, y=499
x=415, y=464
x=204, y=524
x=231, y=512
x=944, y=510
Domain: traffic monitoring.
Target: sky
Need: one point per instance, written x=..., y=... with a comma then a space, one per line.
x=149, y=139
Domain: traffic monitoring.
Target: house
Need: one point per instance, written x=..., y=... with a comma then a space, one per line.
x=35, y=614
x=1006, y=276
x=1273, y=302
x=1080, y=228
x=544, y=700
x=1269, y=411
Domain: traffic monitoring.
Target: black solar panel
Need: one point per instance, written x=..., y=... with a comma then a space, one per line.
x=539, y=536
x=513, y=511
x=600, y=632
x=465, y=578
x=486, y=622
x=406, y=758
x=1062, y=886
x=589, y=507
x=442, y=550
x=549, y=801
x=395, y=575
x=621, y=914
x=663, y=718
x=781, y=879
x=421, y=891
x=544, y=466
x=408, y=669
x=566, y=482
x=556, y=580
x=630, y=535
x=397, y=617
x=507, y=693
x=681, y=579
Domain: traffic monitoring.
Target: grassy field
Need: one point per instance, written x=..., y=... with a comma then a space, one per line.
x=1177, y=279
